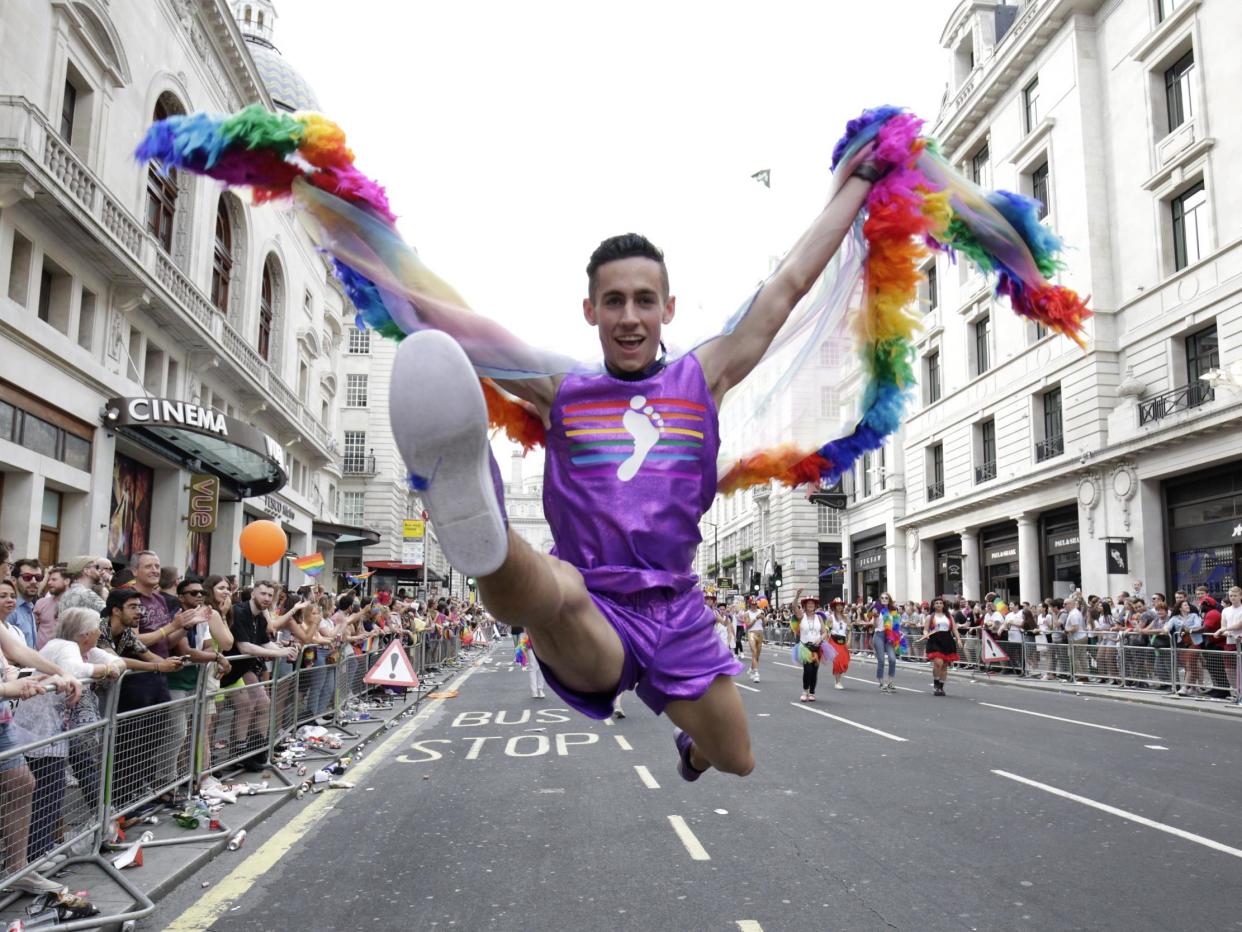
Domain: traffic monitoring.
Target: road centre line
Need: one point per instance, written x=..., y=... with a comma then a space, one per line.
x=745, y=687
x=780, y=663
x=846, y=721
x=203, y=913
x=1072, y=721
x=625, y=745
x=859, y=679
x=1123, y=814
x=697, y=851
x=645, y=775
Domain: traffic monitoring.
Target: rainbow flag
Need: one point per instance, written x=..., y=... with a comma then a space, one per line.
x=357, y=580
x=311, y=564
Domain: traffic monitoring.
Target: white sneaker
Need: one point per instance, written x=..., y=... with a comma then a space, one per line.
x=35, y=883
x=542, y=694
x=444, y=443
x=756, y=676
x=837, y=686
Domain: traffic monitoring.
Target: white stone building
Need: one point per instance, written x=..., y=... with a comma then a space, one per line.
x=1029, y=466
x=120, y=283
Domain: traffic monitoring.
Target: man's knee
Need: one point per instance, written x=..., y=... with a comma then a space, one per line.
x=739, y=763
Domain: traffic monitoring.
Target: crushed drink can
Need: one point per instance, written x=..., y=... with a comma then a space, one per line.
x=237, y=840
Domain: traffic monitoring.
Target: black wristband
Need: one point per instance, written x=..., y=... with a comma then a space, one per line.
x=869, y=172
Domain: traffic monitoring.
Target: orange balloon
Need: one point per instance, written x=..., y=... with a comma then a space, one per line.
x=263, y=542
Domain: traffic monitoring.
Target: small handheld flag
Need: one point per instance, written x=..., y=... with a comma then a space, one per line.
x=311, y=564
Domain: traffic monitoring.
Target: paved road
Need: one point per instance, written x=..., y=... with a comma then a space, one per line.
x=496, y=811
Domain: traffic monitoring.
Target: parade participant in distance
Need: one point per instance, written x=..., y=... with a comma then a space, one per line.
x=838, y=633
x=811, y=639
x=942, y=644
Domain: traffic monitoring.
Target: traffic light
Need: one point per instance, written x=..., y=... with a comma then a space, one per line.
x=755, y=583
x=776, y=575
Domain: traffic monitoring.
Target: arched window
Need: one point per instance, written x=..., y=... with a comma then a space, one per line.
x=222, y=259
x=265, y=313
x=161, y=192
x=246, y=16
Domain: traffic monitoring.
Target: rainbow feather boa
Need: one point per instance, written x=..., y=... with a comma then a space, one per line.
x=920, y=204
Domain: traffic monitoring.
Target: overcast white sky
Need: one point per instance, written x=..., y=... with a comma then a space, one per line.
x=513, y=137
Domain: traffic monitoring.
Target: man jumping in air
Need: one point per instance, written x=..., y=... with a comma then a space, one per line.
x=630, y=470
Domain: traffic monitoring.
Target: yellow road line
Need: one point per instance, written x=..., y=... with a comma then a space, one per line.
x=233, y=887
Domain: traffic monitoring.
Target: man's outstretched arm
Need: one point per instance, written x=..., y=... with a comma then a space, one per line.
x=729, y=359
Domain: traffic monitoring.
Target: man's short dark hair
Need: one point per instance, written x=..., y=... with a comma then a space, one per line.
x=625, y=246
x=187, y=582
x=117, y=599
x=32, y=562
x=345, y=602
x=168, y=576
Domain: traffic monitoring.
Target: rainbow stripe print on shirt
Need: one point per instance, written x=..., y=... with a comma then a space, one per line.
x=624, y=436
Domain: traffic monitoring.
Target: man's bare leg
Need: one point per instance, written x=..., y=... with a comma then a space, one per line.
x=548, y=597
x=716, y=723
x=445, y=448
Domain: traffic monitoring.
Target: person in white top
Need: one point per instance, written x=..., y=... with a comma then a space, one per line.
x=1076, y=633
x=839, y=633
x=811, y=639
x=754, y=634
x=943, y=641
x=1231, y=630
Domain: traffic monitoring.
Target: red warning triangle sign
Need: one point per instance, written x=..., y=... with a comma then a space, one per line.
x=392, y=669
x=992, y=652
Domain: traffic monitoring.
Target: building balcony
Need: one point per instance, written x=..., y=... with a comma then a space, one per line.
x=1047, y=449
x=358, y=466
x=1185, y=398
x=935, y=491
x=40, y=171
x=985, y=472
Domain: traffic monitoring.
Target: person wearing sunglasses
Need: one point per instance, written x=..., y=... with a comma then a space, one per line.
x=27, y=575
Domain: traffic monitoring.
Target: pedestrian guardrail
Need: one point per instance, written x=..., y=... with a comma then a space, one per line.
x=62, y=796
x=1107, y=660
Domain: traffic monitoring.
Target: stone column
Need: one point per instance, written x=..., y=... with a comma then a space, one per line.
x=971, y=576
x=1028, y=559
x=927, y=571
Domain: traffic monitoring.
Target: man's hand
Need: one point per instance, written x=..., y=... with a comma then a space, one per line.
x=170, y=665
x=24, y=688
x=223, y=666
x=186, y=618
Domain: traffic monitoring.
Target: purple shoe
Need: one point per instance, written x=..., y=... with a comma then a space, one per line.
x=685, y=769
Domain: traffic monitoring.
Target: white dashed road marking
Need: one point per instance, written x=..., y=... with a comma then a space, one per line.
x=645, y=775
x=625, y=745
x=1072, y=721
x=1122, y=814
x=697, y=851
x=846, y=721
x=749, y=689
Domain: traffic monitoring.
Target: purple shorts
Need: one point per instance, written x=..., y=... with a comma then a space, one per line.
x=672, y=651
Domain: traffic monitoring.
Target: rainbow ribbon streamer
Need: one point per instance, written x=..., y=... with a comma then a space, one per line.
x=921, y=204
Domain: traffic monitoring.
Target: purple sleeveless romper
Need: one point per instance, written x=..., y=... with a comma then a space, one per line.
x=630, y=469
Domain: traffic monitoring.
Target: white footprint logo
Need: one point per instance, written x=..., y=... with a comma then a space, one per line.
x=644, y=425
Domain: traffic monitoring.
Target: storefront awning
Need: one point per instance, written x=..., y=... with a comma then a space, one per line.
x=201, y=440
x=392, y=567
x=341, y=534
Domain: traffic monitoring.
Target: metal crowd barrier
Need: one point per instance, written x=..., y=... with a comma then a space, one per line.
x=63, y=795
x=1184, y=671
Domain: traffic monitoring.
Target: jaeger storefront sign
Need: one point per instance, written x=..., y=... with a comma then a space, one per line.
x=201, y=440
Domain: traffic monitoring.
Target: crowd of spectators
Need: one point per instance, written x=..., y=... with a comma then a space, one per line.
x=1190, y=639
x=68, y=632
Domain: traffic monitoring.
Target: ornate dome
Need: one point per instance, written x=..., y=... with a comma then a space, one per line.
x=289, y=89
x=257, y=21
